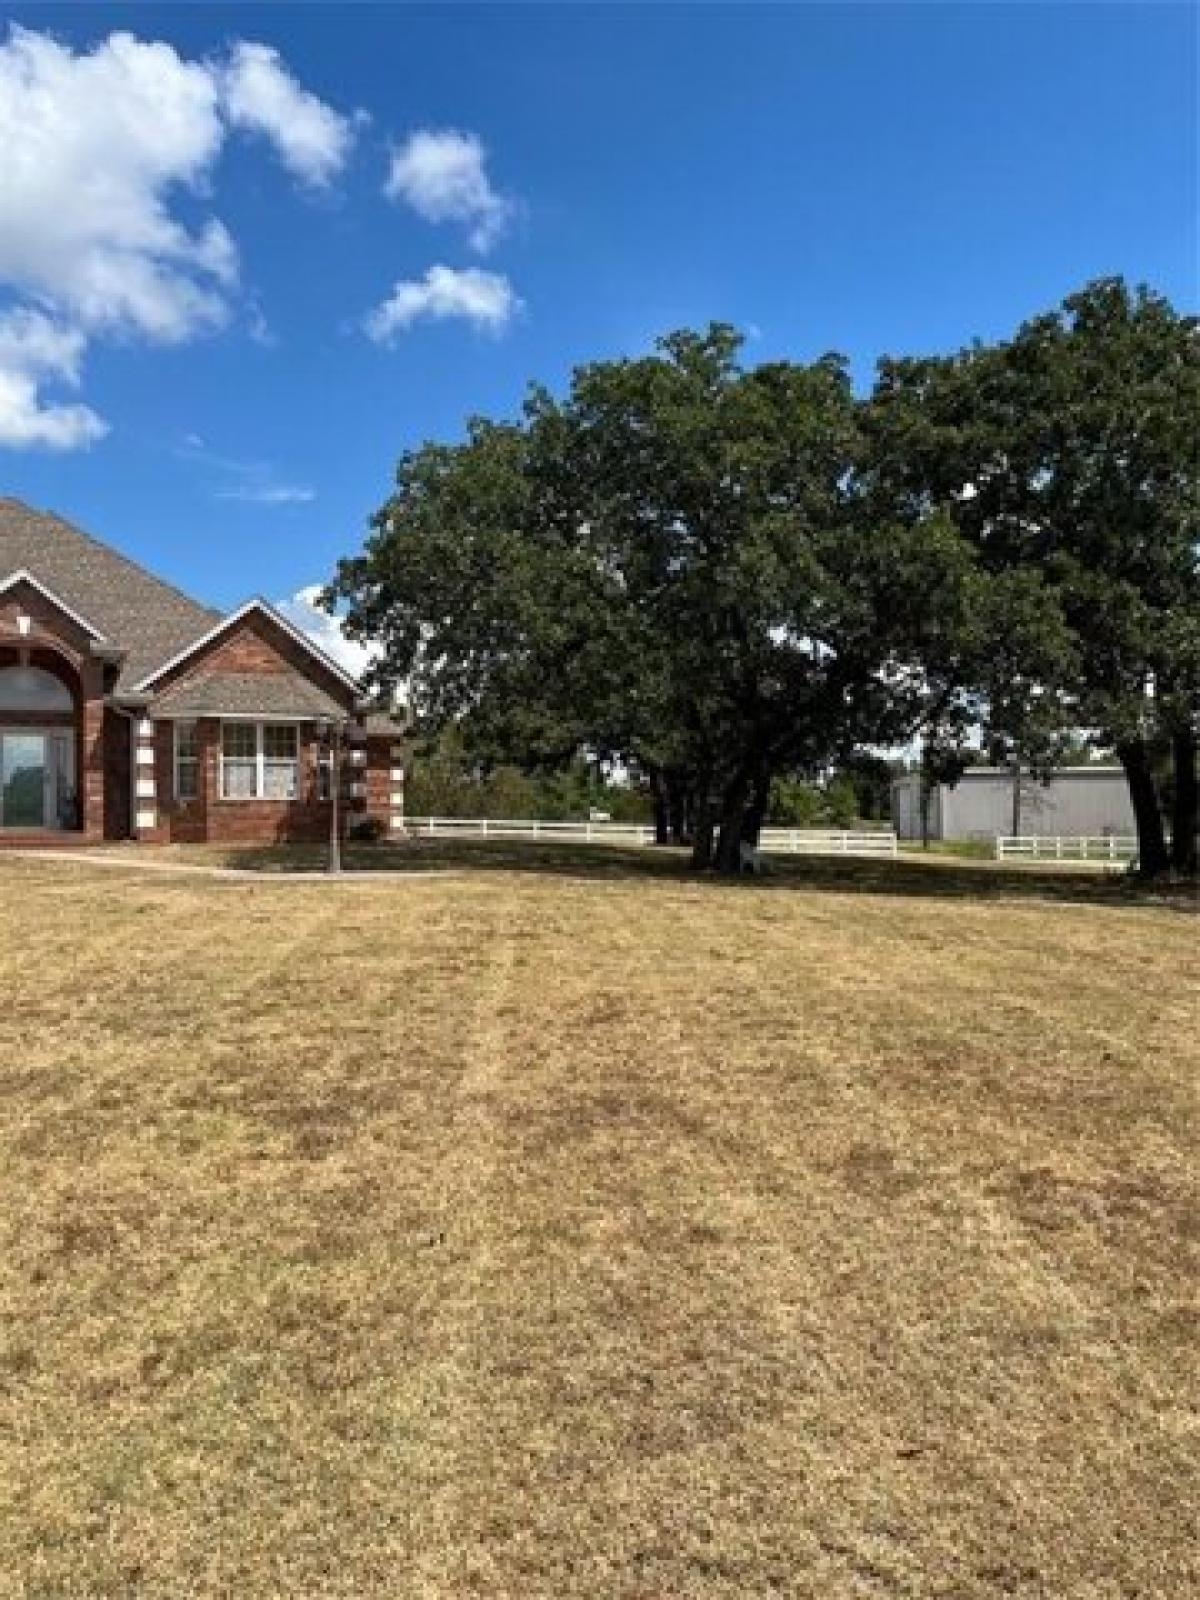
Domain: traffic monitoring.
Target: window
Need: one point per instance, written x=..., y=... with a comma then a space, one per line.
x=239, y=761
x=259, y=761
x=280, y=751
x=187, y=761
x=32, y=689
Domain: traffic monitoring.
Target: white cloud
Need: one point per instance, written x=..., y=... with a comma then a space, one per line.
x=92, y=145
x=97, y=148
x=325, y=631
x=33, y=342
x=270, y=494
x=258, y=327
x=34, y=348
x=260, y=94
x=441, y=175
x=486, y=299
x=238, y=478
x=26, y=422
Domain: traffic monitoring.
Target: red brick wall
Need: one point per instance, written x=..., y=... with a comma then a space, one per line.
x=379, y=781
x=91, y=771
x=117, y=769
x=210, y=818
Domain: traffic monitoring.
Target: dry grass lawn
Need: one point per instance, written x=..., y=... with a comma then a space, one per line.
x=547, y=1235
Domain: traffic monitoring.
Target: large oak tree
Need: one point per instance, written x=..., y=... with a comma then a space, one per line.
x=1067, y=457
x=672, y=564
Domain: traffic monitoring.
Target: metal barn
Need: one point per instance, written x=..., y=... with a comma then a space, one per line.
x=1077, y=801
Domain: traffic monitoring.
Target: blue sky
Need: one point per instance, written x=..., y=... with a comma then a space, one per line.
x=864, y=178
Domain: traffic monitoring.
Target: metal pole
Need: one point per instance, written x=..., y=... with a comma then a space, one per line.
x=335, y=784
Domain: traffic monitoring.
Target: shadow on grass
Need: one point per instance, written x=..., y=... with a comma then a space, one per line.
x=933, y=877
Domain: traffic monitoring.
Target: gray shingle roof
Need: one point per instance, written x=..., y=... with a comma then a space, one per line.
x=269, y=694
x=144, y=616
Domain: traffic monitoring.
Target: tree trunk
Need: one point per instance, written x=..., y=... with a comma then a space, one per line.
x=756, y=812
x=1153, y=860
x=1185, y=811
x=679, y=809
x=662, y=821
x=702, y=827
x=733, y=810
x=1016, y=799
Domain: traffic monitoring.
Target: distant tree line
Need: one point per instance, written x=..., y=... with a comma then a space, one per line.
x=448, y=779
x=728, y=578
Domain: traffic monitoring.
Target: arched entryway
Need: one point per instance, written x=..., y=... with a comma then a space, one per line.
x=39, y=743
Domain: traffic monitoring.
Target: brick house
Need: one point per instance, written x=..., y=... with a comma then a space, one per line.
x=129, y=711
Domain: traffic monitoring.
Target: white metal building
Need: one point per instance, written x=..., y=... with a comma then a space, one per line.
x=1077, y=800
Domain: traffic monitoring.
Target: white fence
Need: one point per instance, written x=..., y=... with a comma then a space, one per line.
x=828, y=842
x=772, y=841
x=529, y=828
x=1065, y=847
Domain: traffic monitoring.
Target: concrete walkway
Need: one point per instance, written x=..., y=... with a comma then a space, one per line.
x=141, y=863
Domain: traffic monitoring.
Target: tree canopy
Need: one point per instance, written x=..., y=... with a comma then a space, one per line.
x=1069, y=455
x=723, y=574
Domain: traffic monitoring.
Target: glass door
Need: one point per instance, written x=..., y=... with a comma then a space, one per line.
x=23, y=780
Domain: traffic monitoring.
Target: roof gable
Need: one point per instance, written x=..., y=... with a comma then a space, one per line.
x=255, y=606
x=15, y=579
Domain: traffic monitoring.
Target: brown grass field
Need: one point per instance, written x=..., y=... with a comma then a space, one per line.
x=594, y=1232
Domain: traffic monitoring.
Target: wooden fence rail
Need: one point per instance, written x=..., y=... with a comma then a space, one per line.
x=1065, y=847
x=772, y=841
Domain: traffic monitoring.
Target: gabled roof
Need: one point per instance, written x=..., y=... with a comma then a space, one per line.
x=264, y=608
x=21, y=576
x=147, y=618
x=156, y=625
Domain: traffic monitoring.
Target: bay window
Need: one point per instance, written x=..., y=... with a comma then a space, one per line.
x=260, y=761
